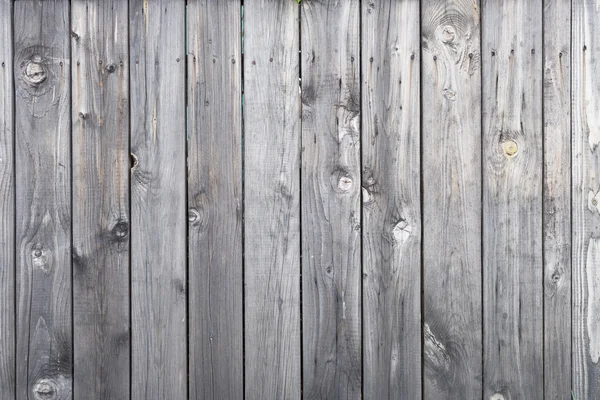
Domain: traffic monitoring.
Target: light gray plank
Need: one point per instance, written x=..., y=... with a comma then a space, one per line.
x=43, y=198
x=7, y=206
x=557, y=199
x=331, y=250
x=100, y=117
x=271, y=199
x=391, y=199
x=512, y=199
x=215, y=199
x=451, y=102
x=585, y=47
x=158, y=199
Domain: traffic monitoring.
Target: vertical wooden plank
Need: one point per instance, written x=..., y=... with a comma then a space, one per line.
x=158, y=199
x=271, y=201
x=331, y=251
x=451, y=101
x=215, y=199
x=585, y=47
x=7, y=206
x=391, y=199
x=43, y=198
x=512, y=199
x=557, y=199
x=100, y=121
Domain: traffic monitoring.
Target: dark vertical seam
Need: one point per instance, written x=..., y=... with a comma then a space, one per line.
x=543, y=230
x=421, y=202
x=72, y=201
x=187, y=204
x=243, y=227
x=14, y=182
x=360, y=197
x=571, y=113
x=299, y=8
x=482, y=194
x=129, y=196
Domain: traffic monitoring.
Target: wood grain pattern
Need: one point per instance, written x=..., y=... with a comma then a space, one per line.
x=331, y=254
x=215, y=199
x=271, y=199
x=585, y=46
x=451, y=77
x=100, y=116
x=391, y=199
x=158, y=199
x=512, y=199
x=557, y=199
x=43, y=198
x=7, y=205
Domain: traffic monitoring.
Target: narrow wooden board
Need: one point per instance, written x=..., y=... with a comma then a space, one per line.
x=331, y=248
x=7, y=205
x=158, y=199
x=100, y=116
x=557, y=199
x=43, y=198
x=391, y=199
x=272, y=199
x=451, y=103
x=215, y=199
x=585, y=46
x=512, y=199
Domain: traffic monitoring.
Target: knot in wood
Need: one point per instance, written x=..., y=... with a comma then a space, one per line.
x=401, y=231
x=497, y=396
x=120, y=230
x=510, y=148
x=34, y=73
x=555, y=276
x=367, y=197
x=345, y=184
x=110, y=68
x=448, y=34
x=39, y=258
x=449, y=94
x=45, y=389
x=193, y=215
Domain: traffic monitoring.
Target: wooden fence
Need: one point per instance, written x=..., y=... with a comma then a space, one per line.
x=281, y=199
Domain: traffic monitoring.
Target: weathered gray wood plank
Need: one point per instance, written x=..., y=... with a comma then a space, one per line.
x=43, y=198
x=215, y=199
x=585, y=47
x=158, y=199
x=271, y=201
x=451, y=102
x=557, y=199
x=391, y=199
x=512, y=199
x=331, y=250
x=7, y=206
x=100, y=117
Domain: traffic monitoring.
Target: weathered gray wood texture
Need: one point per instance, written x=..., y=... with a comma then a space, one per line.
x=512, y=199
x=100, y=126
x=451, y=103
x=330, y=192
x=215, y=199
x=158, y=199
x=272, y=199
x=391, y=198
x=586, y=194
x=557, y=199
x=43, y=199
x=7, y=205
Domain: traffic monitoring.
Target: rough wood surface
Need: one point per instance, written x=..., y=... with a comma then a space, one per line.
x=272, y=199
x=391, y=199
x=585, y=86
x=331, y=255
x=512, y=199
x=7, y=206
x=215, y=199
x=557, y=199
x=43, y=199
x=158, y=199
x=451, y=102
x=100, y=116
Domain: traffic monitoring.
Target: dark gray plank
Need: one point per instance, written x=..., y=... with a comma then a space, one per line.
x=331, y=251
x=391, y=199
x=100, y=116
x=512, y=199
x=7, y=206
x=585, y=47
x=215, y=199
x=158, y=199
x=272, y=197
x=557, y=199
x=43, y=198
x=451, y=101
